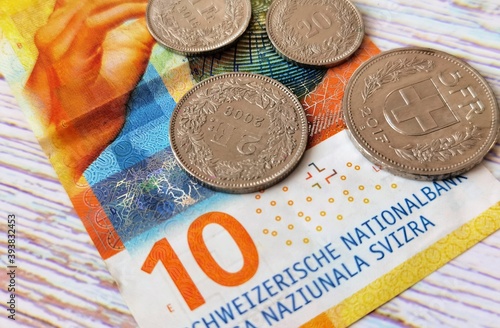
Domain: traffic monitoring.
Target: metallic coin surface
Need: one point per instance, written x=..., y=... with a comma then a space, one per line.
x=421, y=113
x=238, y=132
x=320, y=33
x=192, y=27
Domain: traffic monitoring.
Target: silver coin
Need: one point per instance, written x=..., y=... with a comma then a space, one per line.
x=192, y=27
x=238, y=132
x=320, y=33
x=421, y=113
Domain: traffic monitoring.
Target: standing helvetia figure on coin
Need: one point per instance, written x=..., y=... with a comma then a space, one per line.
x=320, y=33
x=238, y=132
x=421, y=113
x=192, y=27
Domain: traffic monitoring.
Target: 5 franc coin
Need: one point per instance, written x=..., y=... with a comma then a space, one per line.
x=421, y=113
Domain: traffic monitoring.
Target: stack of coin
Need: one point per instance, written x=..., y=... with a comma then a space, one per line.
x=195, y=26
x=421, y=113
x=238, y=132
x=321, y=33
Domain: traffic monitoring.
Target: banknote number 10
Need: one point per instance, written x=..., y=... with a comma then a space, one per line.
x=163, y=252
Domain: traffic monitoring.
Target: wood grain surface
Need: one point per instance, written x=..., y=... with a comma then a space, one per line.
x=61, y=281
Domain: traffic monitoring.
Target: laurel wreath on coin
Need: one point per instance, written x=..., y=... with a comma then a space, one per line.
x=335, y=45
x=441, y=149
x=280, y=144
x=171, y=31
x=392, y=72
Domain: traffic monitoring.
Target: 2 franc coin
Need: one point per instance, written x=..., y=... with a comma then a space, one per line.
x=238, y=132
x=320, y=33
x=421, y=113
x=192, y=27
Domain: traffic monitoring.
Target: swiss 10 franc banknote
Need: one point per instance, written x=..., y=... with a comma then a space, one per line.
x=333, y=241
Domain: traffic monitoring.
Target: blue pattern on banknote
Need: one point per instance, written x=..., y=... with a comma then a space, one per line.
x=148, y=194
x=145, y=131
x=178, y=223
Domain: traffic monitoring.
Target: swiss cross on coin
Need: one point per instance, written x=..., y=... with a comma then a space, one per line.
x=418, y=109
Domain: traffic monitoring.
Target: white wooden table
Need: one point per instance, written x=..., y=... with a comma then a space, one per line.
x=61, y=281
